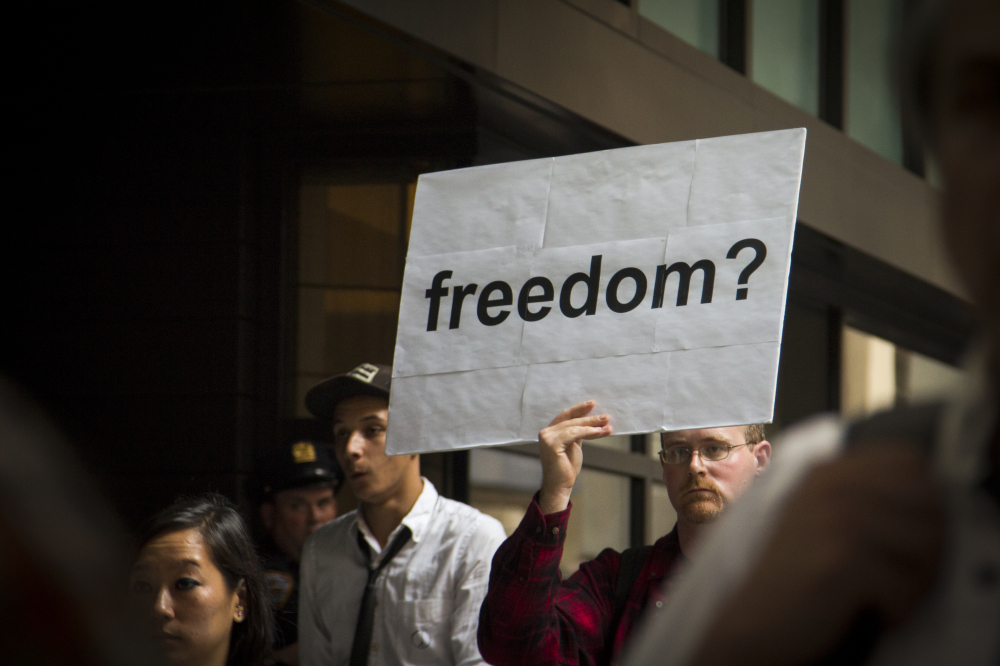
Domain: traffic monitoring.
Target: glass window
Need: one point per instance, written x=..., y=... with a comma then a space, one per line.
x=922, y=378
x=599, y=520
x=876, y=374
x=351, y=251
x=785, y=50
x=501, y=484
x=617, y=442
x=661, y=515
x=694, y=21
x=653, y=445
x=873, y=114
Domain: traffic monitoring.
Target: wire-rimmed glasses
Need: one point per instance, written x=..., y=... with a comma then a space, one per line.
x=681, y=455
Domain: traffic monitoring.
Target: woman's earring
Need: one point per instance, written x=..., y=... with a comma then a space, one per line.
x=239, y=613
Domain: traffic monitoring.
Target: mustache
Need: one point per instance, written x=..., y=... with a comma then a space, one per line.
x=697, y=483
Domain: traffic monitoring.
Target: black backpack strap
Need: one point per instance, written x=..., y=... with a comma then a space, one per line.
x=629, y=569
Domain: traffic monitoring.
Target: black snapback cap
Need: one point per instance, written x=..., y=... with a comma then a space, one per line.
x=366, y=379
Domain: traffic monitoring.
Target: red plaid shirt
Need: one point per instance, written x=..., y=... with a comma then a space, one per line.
x=532, y=616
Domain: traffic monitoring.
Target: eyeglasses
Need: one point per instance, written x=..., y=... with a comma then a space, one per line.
x=681, y=455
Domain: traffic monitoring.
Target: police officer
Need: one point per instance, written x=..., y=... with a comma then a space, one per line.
x=297, y=485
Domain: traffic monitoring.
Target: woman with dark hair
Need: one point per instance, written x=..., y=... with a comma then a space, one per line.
x=202, y=582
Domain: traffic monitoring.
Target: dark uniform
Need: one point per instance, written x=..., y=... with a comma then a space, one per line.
x=299, y=465
x=281, y=575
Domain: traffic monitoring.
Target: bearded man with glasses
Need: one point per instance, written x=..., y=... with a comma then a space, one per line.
x=532, y=616
x=706, y=469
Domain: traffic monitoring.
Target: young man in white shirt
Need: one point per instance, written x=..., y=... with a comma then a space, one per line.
x=400, y=580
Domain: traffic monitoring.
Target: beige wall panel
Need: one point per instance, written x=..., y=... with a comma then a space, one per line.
x=464, y=28
x=941, y=266
x=773, y=113
x=896, y=222
x=614, y=14
x=821, y=196
x=557, y=51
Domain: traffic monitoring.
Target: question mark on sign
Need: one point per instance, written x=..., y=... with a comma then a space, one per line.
x=760, y=253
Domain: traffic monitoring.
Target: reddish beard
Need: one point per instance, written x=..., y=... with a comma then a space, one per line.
x=700, y=507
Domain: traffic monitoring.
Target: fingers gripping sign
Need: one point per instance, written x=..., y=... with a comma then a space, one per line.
x=560, y=448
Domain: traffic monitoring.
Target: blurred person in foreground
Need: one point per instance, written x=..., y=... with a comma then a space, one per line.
x=298, y=485
x=63, y=553
x=199, y=583
x=532, y=616
x=879, y=542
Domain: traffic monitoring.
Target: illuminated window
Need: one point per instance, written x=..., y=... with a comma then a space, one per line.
x=352, y=243
x=876, y=375
x=868, y=373
x=922, y=378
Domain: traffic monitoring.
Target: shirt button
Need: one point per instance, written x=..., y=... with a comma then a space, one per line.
x=555, y=531
x=659, y=604
x=374, y=647
x=538, y=530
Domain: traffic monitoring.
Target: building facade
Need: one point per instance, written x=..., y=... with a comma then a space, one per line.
x=243, y=184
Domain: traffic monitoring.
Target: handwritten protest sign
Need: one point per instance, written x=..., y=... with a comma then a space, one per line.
x=651, y=279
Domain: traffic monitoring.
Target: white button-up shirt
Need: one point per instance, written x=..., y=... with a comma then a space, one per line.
x=427, y=597
x=958, y=624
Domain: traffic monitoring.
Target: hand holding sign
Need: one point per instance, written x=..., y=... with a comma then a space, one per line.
x=561, y=452
x=529, y=286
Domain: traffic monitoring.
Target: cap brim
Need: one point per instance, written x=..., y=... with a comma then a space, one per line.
x=322, y=399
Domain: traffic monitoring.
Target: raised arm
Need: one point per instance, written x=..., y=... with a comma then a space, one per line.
x=530, y=616
x=560, y=449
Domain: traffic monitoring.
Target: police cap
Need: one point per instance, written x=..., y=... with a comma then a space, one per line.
x=303, y=463
x=366, y=379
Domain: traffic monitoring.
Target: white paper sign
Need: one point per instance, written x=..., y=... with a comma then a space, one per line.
x=651, y=279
